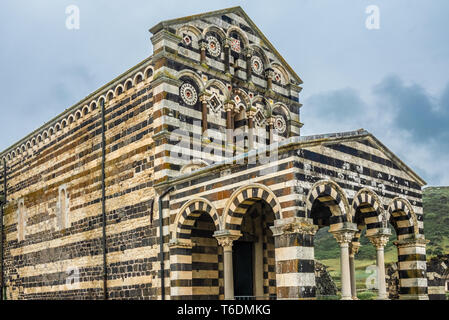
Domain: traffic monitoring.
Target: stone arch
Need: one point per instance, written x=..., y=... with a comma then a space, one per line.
x=85, y=110
x=403, y=218
x=138, y=78
x=190, y=28
x=218, y=84
x=195, y=164
x=194, y=76
x=374, y=217
x=263, y=55
x=279, y=68
x=331, y=195
x=119, y=90
x=93, y=104
x=215, y=29
x=128, y=84
x=78, y=115
x=188, y=213
x=246, y=196
x=283, y=108
x=71, y=119
x=241, y=33
x=246, y=100
x=110, y=95
x=148, y=73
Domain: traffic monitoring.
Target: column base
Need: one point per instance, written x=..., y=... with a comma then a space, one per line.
x=346, y=298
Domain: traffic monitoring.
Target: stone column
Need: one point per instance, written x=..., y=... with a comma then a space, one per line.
x=203, y=47
x=249, y=70
x=271, y=130
x=295, y=258
x=412, y=268
x=227, y=52
x=203, y=99
x=353, y=249
x=379, y=240
x=229, y=108
x=344, y=237
x=226, y=239
x=250, y=116
x=269, y=74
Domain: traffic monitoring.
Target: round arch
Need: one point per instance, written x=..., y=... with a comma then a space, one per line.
x=247, y=195
x=330, y=193
x=241, y=34
x=403, y=218
x=188, y=213
x=194, y=76
x=373, y=213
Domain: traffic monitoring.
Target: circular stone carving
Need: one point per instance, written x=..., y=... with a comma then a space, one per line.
x=213, y=46
x=280, y=125
x=257, y=65
x=188, y=94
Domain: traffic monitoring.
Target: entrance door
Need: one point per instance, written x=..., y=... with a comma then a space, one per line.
x=242, y=257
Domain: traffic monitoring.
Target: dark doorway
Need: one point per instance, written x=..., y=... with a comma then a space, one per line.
x=242, y=256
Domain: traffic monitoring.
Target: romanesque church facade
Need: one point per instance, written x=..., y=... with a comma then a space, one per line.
x=187, y=177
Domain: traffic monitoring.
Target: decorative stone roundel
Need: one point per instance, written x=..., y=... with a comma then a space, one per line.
x=213, y=46
x=257, y=65
x=280, y=125
x=188, y=94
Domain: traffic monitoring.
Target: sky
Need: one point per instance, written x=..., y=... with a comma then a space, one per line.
x=392, y=81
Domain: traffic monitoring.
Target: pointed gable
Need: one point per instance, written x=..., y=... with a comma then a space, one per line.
x=232, y=23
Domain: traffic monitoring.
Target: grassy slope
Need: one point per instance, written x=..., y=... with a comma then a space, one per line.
x=436, y=227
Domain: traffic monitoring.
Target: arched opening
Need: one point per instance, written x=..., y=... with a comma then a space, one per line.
x=254, y=252
x=369, y=247
x=195, y=257
x=327, y=209
x=206, y=260
x=411, y=251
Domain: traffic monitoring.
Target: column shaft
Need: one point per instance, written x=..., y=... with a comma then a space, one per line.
x=381, y=274
x=228, y=273
x=353, y=284
x=345, y=272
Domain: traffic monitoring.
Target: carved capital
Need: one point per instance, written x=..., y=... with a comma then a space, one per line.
x=203, y=44
x=204, y=96
x=343, y=237
x=229, y=106
x=177, y=243
x=354, y=248
x=297, y=226
x=379, y=241
x=226, y=239
x=269, y=73
x=249, y=52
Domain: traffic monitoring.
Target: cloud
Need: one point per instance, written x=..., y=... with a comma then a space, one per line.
x=410, y=121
